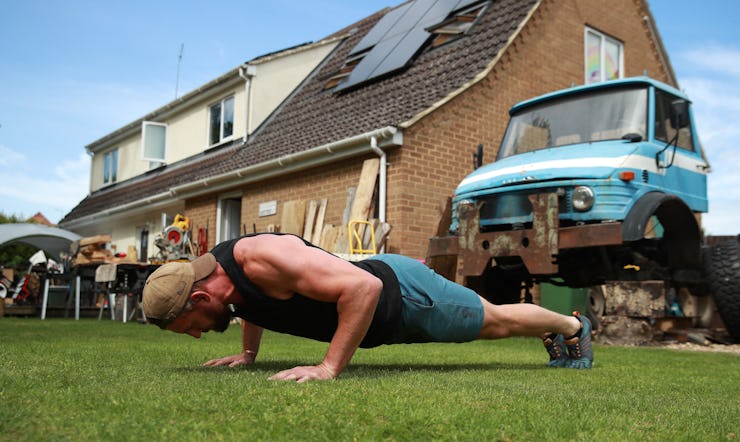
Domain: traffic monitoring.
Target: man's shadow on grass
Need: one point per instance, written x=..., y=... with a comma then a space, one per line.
x=368, y=369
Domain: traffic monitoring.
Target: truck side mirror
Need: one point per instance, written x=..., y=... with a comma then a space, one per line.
x=478, y=157
x=679, y=114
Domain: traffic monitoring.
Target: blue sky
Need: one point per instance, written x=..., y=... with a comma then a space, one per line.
x=73, y=71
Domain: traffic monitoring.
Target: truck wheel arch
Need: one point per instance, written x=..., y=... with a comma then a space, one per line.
x=681, y=231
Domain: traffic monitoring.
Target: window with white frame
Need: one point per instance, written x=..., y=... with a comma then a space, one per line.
x=221, y=121
x=153, y=142
x=604, y=57
x=110, y=167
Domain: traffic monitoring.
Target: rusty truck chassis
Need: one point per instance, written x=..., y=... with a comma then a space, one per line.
x=537, y=246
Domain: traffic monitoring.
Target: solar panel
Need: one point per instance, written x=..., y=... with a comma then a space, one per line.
x=364, y=70
x=438, y=11
x=416, y=11
x=402, y=53
x=396, y=38
x=380, y=29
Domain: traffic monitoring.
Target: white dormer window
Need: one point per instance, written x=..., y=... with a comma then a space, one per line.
x=153, y=143
x=221, y=121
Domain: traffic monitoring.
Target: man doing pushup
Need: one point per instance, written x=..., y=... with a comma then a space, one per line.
x=282, y=283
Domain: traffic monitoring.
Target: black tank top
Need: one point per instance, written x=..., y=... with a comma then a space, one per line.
x=305, y=317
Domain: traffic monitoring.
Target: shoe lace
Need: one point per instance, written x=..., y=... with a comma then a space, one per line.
x=553, y=349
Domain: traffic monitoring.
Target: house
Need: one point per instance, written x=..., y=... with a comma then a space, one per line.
x=418, y=86
x=205, y=122
x=39, y=218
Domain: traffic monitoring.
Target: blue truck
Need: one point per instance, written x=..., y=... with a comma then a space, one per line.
x=595, y=183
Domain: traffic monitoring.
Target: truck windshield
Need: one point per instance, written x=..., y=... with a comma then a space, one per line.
x=584, y=118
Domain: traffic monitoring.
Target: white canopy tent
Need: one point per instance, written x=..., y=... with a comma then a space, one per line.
x=52, y=240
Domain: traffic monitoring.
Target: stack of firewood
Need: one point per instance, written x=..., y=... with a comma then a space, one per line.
x=92, y=250
x=306, y=218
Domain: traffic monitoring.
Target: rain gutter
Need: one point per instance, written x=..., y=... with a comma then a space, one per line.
x=373, y=141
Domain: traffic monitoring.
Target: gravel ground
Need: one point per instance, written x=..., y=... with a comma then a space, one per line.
x=718, y=348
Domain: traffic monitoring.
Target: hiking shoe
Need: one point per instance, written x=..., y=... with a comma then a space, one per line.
x=580, y=352
x=555, y=346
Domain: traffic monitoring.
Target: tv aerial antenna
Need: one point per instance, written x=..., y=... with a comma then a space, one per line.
x=179, y=60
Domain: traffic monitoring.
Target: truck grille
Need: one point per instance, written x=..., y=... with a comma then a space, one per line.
x=515, y=208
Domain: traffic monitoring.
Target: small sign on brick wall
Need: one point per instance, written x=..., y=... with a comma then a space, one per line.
x=268, y=208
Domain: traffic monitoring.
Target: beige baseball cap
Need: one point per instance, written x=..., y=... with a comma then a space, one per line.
x=167, y=289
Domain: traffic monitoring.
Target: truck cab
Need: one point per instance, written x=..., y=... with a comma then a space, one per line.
x=605, y=146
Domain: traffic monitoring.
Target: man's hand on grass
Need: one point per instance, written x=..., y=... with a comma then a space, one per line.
x=232, y=361
x=305, y=373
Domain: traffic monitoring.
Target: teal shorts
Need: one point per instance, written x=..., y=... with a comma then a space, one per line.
x=434, y=309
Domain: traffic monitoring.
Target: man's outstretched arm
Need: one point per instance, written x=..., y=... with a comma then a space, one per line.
x=284, y=265
x=355, y=309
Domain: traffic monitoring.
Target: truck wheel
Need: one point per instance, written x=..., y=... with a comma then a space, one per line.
x=724, y=281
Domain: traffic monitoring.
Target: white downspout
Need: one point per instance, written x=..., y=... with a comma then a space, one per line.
x=247, y=71
x=91, y=154
x=382, y=181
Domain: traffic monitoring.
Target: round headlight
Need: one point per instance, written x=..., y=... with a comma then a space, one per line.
x=583, y=198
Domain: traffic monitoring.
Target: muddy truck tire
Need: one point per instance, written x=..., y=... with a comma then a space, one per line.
x=723, y=270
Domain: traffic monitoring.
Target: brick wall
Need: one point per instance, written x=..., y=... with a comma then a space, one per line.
x=329, y=182
x=202, y=214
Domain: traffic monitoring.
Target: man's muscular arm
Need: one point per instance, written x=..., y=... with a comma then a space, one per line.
x=284, y=265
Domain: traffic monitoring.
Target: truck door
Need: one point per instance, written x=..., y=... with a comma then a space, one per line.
x=681, y=169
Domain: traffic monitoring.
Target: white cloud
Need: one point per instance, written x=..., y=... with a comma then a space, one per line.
x=8, y=157
x=720, y=222
x=52, y=194
x=712, y=81
x=715, y=58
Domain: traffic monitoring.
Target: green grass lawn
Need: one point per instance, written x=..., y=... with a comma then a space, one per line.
x=90, y=380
